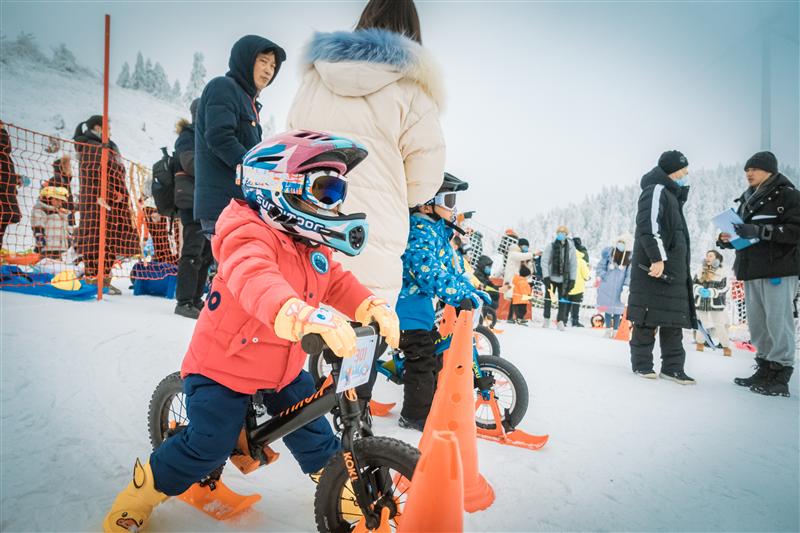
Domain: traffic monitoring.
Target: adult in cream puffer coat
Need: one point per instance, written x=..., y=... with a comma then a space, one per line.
x=383, y=90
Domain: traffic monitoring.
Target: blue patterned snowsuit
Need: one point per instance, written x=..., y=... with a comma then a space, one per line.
x=430, y=269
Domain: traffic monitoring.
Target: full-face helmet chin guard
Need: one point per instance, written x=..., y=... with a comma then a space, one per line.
x=290, y=179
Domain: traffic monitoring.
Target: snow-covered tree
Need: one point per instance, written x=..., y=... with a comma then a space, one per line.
x=24, y=48
x=161, y=88
x=137, y=78
x=197, y=79
x=64, y=60
x=124, y=79
x=176, y=91
x=148, y=83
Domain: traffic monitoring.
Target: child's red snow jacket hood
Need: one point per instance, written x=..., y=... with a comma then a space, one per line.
x=259, y=269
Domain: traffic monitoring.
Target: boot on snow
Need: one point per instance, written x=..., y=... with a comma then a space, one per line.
x=762, y=369
x=777, y=382
x=133, y=506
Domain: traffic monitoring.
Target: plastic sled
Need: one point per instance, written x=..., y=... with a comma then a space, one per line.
x=745, y=345
x=513, y=437
x=27, y=258
x=218, y=502
x=14, y=279
x=380, y=409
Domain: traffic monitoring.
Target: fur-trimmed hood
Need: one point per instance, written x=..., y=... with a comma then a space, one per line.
x=364, y=61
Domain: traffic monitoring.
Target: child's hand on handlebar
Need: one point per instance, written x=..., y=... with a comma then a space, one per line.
x=377, y=310
x=296, y=318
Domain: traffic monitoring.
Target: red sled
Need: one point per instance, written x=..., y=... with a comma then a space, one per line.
x=503, y=432
x=380, y=409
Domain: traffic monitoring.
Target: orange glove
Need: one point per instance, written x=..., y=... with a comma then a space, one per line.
x=377, y=310
x=296, y=318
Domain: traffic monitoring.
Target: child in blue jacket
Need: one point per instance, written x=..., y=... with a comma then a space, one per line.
x=430, y=270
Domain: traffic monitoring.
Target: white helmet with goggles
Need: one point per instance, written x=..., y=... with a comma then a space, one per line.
x=297, y=181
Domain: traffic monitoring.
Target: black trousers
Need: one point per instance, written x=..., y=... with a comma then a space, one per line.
x=518, y=311
x=194, y=262
x=575, y=307
x=422, y=367
x=673, y=356
x=563, y=307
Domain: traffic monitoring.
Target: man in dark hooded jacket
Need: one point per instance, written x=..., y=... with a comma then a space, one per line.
x=228, y=124
x=770, y=210
x=661, y=284
x=196, y=249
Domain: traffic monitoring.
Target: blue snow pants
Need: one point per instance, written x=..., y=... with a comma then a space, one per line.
x=216, y=417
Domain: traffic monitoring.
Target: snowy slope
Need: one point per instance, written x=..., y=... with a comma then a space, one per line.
x=625, y=453
x=44, y=99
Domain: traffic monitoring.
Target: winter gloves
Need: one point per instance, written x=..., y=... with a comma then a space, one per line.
x=754, y=231
x=376, y=310
x=479, y=298
x=704, y=292
x=296, y=318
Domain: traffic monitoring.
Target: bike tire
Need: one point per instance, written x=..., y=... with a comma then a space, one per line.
x=372, y=453
x=162, y=404
x=316, y=366
x=517, y=404
x=491, y=340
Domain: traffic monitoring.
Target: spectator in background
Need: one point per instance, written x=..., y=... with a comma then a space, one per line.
x=710, y=289
x=227, y=124
x=196, y=257
x=121, y=238
x=770, y=209
x=62, y=177
x=519, y=254
x=614, y=274
x=380, y=86
x=522, y=295
x=9, y=182
x=584, y=273
x=661, y=285
x=560, y=270
x=50, y=222
x=483, y=272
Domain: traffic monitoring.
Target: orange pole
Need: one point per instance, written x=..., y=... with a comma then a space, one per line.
x=101, y=260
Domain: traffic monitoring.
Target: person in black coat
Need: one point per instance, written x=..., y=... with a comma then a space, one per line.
x=770, y=211
x=227, y=124
x=196, y=257
x=661, y=284
x=483, y=271
x=9, y=183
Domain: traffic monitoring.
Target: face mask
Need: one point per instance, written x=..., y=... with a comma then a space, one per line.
x=715, y=263
x=683, y=181
x=621, y=246
x=487, y=270
x=561, y=236
x=524, y=248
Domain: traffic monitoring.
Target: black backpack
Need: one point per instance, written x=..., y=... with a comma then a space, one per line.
x=163, y=187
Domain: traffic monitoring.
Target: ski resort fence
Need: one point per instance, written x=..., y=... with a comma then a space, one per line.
x=62, y=218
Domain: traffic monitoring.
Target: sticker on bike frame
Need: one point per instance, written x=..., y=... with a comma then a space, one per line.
x=355, y=370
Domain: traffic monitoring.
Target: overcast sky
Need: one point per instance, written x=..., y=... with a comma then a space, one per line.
x=547, y=101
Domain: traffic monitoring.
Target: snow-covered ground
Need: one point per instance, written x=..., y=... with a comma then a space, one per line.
x=625, y=453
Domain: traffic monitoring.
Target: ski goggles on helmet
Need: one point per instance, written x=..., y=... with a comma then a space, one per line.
x=325, y=188
x=445, y=199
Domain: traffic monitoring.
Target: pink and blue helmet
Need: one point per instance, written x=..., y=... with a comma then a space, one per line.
x=297, y=181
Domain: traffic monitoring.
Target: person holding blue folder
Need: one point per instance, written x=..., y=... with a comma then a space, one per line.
x=770, y=212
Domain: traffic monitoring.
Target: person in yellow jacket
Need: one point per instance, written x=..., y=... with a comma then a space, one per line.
x=584, y=273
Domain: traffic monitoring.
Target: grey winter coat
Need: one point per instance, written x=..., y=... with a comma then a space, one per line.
x=570, y=258
x=613, y=278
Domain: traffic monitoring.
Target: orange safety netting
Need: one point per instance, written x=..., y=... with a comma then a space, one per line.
x=51, y=206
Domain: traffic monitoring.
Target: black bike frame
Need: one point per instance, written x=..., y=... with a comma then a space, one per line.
x=323, y=401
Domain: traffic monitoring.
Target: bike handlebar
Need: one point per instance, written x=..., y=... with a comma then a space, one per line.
x=314, y=343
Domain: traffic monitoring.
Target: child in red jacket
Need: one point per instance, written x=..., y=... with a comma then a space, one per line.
x=275, y=269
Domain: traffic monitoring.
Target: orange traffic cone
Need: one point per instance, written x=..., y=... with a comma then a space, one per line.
x=624, y=331
x=453, y=410
x=448, y=320
x=435, y=499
